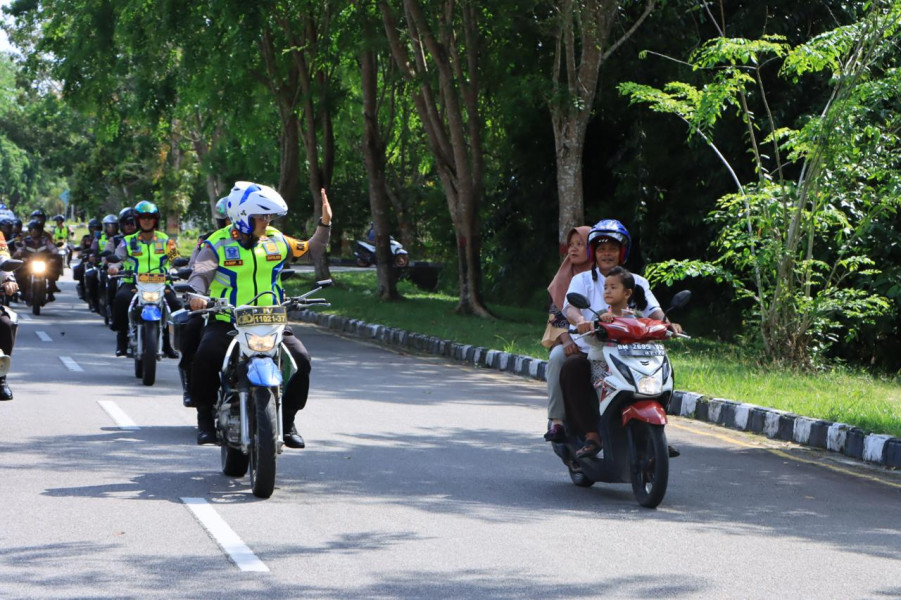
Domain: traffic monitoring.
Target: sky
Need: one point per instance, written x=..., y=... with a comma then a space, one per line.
x=4, y=42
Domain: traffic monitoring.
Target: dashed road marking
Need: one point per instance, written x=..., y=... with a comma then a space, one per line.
x=118, y=415
x=43, y=336
x=71, y=364
x=225, y=536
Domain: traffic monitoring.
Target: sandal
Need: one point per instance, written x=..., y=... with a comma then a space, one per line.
x=591, y=449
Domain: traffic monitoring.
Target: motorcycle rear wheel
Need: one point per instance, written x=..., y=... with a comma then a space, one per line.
x=38, y=289
x=151, y=336
x=234, y=462
x=401, y=260
x=362, y=262
x=579, y=478
x=650, y=469
x=263, y=443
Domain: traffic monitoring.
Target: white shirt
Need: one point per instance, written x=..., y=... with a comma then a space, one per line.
x=594, y=291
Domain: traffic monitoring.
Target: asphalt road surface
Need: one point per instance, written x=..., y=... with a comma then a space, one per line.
x=421, y=479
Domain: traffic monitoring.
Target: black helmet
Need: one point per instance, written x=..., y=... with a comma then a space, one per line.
x=17, y=222
x=7, y=223
x=38, y=215
x=35, y=224
x=59, y=218
x=127, y=214
x=95, y=224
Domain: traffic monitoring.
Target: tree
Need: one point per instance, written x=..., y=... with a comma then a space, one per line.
x=441, y=56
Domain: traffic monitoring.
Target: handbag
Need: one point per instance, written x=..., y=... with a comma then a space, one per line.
x=551, y=333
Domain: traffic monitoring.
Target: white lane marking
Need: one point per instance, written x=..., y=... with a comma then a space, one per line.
x=43, y=336
x=71, y=364
x=225, y=536
x=118, y=415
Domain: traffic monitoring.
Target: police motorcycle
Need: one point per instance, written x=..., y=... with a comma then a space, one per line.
x=10, y=264
x=38, y=262
x=364, y=251
x=633, y=397
x=248, y=408
x=148, y=318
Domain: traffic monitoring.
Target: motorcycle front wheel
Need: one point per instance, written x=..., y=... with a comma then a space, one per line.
x=151, y=336
x=650, y=463
x=263, y=443
x=38, y=289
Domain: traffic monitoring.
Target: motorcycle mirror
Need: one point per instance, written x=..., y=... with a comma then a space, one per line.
x=578, y=300
x=180, y=262
x=10, y=264
x=324, y=283
x=680, y=299
x=184, y=273
x=180, y=317
x=182, y=288
x=112, y=258
x=287, y=274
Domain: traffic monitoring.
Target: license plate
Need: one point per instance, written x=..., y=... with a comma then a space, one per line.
x=262, y=315
x=640, y=349
x=151, y=277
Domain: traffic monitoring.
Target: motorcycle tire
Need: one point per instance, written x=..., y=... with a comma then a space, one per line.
x=38, y=290
x=362, y=262
x=650, y=463
x=151, y=335
x=234, y=462
x=401, y=260
x=263, y=443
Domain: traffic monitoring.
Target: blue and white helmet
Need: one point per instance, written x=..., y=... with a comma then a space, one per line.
x=247, y=199
x=610, y=229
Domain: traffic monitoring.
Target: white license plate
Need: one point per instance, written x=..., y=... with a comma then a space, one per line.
x=640, y=349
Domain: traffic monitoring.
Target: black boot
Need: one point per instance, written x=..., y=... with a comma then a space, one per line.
x=121, y=343
x=291, y=438
x=5, y=392
x=185, y=386
x=206, y=429
x=168, y=350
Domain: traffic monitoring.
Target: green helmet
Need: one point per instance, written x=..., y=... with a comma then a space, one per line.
x=221, y=211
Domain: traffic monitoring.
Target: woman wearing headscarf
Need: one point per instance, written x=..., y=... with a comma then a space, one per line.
x=556, y=335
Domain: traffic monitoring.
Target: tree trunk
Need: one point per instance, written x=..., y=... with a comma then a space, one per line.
x=374, y=157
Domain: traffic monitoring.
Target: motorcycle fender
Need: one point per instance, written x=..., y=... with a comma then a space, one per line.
x=263, y=372
x=151, y=312
x=648, y=411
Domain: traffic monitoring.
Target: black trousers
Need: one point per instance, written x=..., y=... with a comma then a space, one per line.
x=208, y=361
x=579, y=396
x=123, y=299
x=7, y=333
x=189, y=336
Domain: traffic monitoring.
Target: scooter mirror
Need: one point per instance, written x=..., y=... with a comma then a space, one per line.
x=182, y=288
x=180, y=262
x=10, y=264
x=578, y=300
x=680, y=299
x=184, y=273
x=180, y=317
x=324, y=283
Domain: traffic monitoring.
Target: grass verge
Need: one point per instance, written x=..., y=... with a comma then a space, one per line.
x=714, y=369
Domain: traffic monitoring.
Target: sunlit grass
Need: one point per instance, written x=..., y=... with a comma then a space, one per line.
x=854, y=397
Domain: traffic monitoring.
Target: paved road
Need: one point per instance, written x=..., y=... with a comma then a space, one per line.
x=421, y=479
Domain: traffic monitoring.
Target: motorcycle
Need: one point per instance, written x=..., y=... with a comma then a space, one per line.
x=37, y=286
x=248, y=408
x=364, y=252
x=148, y=317
x=633, y=396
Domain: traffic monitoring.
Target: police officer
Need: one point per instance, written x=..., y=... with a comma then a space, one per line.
x=237, y=263
x=147, y=251
x=8, y=321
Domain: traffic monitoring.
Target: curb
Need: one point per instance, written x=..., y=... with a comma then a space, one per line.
x=846, y=439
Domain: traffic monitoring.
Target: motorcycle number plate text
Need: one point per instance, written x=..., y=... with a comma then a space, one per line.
x=261, y=316
x=152, y=277
x=640, y=349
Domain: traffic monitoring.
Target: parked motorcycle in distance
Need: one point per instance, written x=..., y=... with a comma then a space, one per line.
x=364, y=251
x=248, y=408
x=632, y=396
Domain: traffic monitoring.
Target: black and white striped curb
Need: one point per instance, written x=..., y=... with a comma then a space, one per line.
x=775, y=424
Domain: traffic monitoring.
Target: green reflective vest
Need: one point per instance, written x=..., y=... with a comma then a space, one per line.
x=243, y=273
x=147, y=257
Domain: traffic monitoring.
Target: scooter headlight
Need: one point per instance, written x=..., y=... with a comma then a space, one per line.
x=261, y=343
x=650, y=386
x=38, y=267
x=150, y=296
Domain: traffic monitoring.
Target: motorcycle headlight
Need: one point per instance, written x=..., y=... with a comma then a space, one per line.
x=38, y=267
x=650, y=386
x=150, y=296
x=261, y=343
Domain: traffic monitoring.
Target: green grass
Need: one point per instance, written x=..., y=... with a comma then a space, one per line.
x=854, y=397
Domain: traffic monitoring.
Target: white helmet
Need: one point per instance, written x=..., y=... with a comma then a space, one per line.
x=247, y=199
